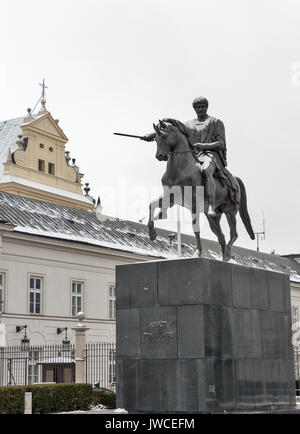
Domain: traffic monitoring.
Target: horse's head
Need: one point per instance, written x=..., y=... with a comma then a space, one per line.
x=166, y=139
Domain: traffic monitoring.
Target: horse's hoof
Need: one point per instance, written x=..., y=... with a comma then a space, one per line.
x=197, y=254
x=227, y=257
x=152, y=235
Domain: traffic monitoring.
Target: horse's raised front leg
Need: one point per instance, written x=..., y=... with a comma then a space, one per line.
x=161, y=204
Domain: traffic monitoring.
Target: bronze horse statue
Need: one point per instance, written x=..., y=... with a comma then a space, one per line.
x=182, y=171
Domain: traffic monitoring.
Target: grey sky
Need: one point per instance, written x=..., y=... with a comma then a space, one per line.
x=116, y=65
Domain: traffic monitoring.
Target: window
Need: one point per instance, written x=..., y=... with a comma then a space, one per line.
x=1, y=292
x=77, y=297
x=41, y=146
x=112, y=366
x=51, y=168
x=33, y=367
x=112, y=302
x=41, y=165
x=35, y=294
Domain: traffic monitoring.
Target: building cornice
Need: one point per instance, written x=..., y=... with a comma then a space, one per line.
x=66, y=245
x=56, y=318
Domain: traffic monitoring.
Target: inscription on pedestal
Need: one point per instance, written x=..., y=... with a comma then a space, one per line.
x=158, y=332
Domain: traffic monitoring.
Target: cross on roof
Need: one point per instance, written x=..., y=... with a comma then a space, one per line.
x=44, y=87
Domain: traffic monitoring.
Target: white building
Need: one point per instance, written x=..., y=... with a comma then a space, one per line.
x=58, y=252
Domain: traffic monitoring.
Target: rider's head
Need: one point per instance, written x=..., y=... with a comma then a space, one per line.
x=200, y=105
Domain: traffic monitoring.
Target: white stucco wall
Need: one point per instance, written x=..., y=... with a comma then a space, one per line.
x=58, y=262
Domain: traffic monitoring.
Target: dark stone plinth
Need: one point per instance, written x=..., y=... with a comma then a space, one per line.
x=198, y=335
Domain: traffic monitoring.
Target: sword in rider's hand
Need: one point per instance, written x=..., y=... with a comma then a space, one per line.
x=130, y=135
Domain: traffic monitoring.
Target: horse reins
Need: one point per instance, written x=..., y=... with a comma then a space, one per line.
x=183, y=152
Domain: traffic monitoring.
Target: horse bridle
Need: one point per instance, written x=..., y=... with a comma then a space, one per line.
x=178, y=152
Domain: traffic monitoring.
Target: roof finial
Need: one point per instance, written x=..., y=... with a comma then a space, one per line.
x=68, y=158
x=44, y=87
x=43, y=99
x=87, y=188
x=29, y=117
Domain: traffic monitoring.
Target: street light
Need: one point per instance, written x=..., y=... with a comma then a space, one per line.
x=24, y=341
x=65, y=341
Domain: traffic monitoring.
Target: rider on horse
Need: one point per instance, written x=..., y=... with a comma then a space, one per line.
x=207, y=137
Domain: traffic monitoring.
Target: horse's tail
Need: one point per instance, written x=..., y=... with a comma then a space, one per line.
x=244, y=211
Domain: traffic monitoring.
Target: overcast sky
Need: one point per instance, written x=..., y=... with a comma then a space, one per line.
x=120, y=65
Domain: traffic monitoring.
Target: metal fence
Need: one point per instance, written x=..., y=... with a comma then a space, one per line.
x=297, y=369
x=100, y=360
x=297, y=363
x=21, y=365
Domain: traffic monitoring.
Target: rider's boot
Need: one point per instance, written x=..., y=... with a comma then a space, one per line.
x=211, y=193
x=211, y=211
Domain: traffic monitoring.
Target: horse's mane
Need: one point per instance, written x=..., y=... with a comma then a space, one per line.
x=182, y=128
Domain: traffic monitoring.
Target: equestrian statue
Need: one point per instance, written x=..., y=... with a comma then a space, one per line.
x=196, y=157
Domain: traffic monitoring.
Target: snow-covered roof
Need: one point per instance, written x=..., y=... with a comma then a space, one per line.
x=9, y=131
x=45, y=219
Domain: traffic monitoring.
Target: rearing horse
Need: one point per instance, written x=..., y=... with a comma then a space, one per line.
x=182, y=171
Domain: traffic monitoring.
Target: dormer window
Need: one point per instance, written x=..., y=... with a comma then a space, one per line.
x=41, y=165
x=51, y=168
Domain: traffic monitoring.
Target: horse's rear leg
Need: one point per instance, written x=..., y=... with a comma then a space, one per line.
x=196, y=229
x=214, y=223
x=231, y=218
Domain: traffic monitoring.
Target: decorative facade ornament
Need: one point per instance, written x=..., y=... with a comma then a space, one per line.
x=87, y=188
x=20, y=141
x=67, y=155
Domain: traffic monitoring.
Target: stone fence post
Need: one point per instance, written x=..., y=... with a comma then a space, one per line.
x=80, y=330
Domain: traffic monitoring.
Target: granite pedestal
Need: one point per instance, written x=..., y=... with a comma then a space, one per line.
x=203, y=336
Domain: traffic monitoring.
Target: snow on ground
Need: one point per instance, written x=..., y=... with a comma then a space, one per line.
x=97, y=409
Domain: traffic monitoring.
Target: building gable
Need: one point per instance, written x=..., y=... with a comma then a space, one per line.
x=45, y=125
x=34, y=162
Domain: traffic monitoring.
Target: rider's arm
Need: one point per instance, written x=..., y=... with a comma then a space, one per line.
x=149, y=137
x=215, y=146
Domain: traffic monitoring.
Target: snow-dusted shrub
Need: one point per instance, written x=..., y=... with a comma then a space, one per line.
x=46, y=398
x=105, y=397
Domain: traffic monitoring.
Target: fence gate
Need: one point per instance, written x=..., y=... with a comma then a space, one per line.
x=101, y=364
x=21, y=365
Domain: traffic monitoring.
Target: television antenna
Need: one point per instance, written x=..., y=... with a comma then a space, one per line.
x=260, y=236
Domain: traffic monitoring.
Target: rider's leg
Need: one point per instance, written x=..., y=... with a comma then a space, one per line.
x=208, y=170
